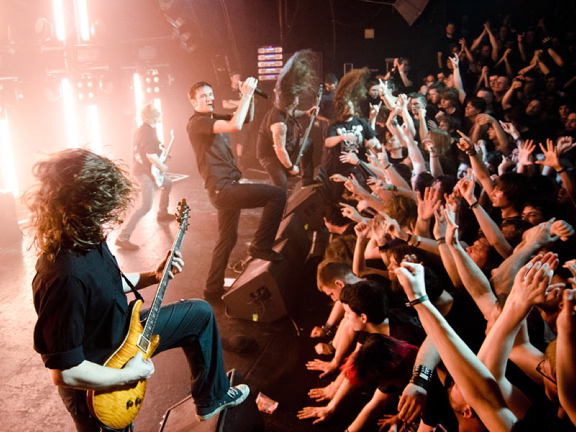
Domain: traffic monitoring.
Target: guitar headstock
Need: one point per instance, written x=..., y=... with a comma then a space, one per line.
x=183, y=214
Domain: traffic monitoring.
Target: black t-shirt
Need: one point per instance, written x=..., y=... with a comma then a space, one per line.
x=214, y=156
x=82, y=310
x=331, y=157
x=265, y=144
x=145, y=142
x=542, y=417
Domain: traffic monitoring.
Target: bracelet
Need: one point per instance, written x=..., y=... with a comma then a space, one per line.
x=414, y=240
x=433, y=155
x=392, y=188
x=471, y=152
x=417, y=301
x=291, y=167
x=441, y=241
x=560, y=171
x=422, y=371
x=383, y=248
x=420, y=382
x=388, y=166
x=327, y=329
x=476, y=204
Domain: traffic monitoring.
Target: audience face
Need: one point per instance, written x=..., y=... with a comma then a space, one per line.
x=433, y=96
x=499, y=200
x=479, y=252
x=373, y=92
x=502, y=84
x=563, y=112
x=471, y=111
x=415, y=105
x=534, y=107
x=532, y=215
x=571, y=122
x=358, y=322
x=493, y=80
x=332, y=291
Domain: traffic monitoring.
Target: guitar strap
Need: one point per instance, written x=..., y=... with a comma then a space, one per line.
x=130, y=284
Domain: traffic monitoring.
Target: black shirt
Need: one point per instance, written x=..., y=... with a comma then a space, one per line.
x=214, y=157
x=82, y=310
x=265, y=144
x=331, y=157
x=145, y=142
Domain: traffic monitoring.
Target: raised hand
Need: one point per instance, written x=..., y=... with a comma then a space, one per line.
x=525, y=150
x=531, y=282
x=428, y=204
x=551, y=156
x=351, y=212
x=564, y=144
x=362, y=230
x=349, y=157
x=411, y=277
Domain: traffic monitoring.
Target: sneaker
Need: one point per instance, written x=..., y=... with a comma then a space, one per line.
x=265, y=254
x=126, y=244
x=165, y=217
x=211, y=296
x=235, y=396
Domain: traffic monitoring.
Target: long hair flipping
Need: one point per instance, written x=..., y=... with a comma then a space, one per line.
x=298, y=77
x=351, y=88
x=78, y=196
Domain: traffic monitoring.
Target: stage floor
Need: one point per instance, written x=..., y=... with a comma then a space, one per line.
x=275, y=367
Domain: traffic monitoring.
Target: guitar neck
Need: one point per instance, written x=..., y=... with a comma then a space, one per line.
x=152, y=317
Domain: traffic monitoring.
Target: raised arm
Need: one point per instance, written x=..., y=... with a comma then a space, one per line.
x=244, y=107
x=476, y=383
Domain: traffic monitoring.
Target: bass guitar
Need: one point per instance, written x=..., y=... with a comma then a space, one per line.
x=118, y=409
x=156, y=173
x=305, y=143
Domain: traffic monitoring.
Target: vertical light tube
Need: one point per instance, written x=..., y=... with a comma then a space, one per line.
x=9, y=180
x=138, y=97
x=82, y=22
x=59, y=19
x=93, y=120
x=69, y=103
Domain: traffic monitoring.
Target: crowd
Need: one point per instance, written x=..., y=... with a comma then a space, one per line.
x=452, y=262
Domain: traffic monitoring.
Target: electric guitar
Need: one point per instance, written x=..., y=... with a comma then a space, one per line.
x=304, y=143
x=118, y=409
x=156, y=173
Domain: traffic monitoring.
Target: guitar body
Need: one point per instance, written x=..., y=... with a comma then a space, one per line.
x=117, y=409
x=158, y=176
x=156, y=173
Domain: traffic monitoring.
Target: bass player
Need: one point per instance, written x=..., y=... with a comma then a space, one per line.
x=280, y=134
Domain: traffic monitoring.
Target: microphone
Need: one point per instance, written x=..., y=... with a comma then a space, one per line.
x=261, y=93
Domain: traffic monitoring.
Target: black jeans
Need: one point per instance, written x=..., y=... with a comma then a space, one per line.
x=190, y=325
x=232, y=198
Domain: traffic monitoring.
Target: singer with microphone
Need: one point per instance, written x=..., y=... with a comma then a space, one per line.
x=208, y=134
x=280, y=134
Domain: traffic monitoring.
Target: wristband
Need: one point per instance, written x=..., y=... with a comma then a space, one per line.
x=422, y=371
x=420, y=382
x=476, y=204
x=388, y=166
x=417, y=301
x=471, y=152
x=392, y=188
x=560, y=171
x=383, y=248
x=441, y=241
x=327, y=329
x=414, y=240
x=291, y=167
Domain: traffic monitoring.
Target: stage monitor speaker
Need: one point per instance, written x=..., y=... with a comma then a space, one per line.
x=9, y=229
x=242, y=418
x=292, y=229
x=308, y=204
x=262, y=291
